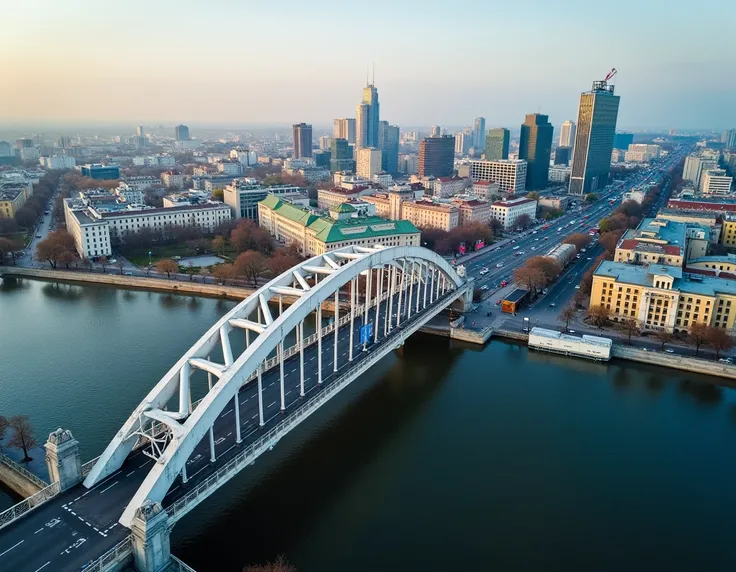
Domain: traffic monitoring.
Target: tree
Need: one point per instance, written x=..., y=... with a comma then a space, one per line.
x=599, y=316
x=249, y=236
x=120, y=264
x=609, y=241
x=218, y=245
x=204, y=272
x=87, y=263
x=167, y=265
x=531, y=278
x=103, y=262
x=8, y=246
x=496, y=226
x=523, y=221
x=719, y=340
x=567, y=314
x=66, y=258
x=664, y=337
x=550, y=268
x=222, y=272
x=25, y=217
x=534, y=195
x=278, y=565
x=591, y=198
x=579, y=240
x=250, y=264
x=190, y=269
x=698, y=335
x=281, y=261
x=51, y=248
x=630, y=326
x=22, y=435
x=218, y=194
x=3, y=427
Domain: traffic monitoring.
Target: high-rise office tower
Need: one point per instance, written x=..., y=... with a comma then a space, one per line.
x=437, y=156
x=479, y=133
x=462, y=143
x=344, y=128
x=302, y=140
x=623, y=140
x=535, y=146
x=729, y=138
x=497, y=144
x=567, y=134
x=436, y=131
x=596, y=128
x=341, y=156
x=182, y=132
x=139, y=131
x=562, y=155
x=388, y=143
x=367, y=118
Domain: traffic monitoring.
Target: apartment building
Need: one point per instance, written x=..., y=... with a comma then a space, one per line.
x=715, y=182
x=507, y=212
x=510, y=174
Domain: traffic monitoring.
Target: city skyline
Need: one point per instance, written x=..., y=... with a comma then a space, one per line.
x=58, y=86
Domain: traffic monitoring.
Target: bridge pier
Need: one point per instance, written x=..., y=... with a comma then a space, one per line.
x=151, y=539
x=62, y=459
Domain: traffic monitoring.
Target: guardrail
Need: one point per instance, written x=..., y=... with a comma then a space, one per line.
x=111, y=559
x=38, y=481
x=179, y=566
x=87, y=467
x=269, y=439
x=18, y=510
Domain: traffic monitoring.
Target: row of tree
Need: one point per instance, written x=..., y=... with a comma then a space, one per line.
x=444, y=242
x=22, y=434
x=34, y=207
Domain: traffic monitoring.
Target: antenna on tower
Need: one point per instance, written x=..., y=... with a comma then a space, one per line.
x=374, y=74
x=366, y=77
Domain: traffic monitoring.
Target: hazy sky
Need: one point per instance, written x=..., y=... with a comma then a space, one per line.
x=437, y=61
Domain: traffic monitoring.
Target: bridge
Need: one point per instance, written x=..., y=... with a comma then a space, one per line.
x=255, y=375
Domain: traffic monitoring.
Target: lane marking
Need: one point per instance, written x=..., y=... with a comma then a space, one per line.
x=11, y=548
x=44, y=566
x=287, y=393
x=256, y=415
x=130, y=473
x=111, y=486
x=269, y=407
x=226, y=412
x=39, y=530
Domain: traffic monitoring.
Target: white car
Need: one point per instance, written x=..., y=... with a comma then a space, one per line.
x=515, y=247
x=484, y=271
x=499, y=265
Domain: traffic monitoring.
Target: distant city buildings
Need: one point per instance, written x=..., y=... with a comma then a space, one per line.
x=368, y=162
x=623, y=140
x=325, y=141
x=510, y=174
x=497, y=144
x=596, y=128
x=562, y=155
x=462, y=143
x=100, y=172
x=344, y=129
x=302, y=134
x=388, y=143
x=479, y=134
x=567, y=134
x=54, y=162
x=436, y=156
x=341, y=156
x=641, y=153
x=535, y=147
x=181, y=133
x=728, y=138
x=172, y=178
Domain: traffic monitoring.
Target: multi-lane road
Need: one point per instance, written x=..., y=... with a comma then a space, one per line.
x=80, y=524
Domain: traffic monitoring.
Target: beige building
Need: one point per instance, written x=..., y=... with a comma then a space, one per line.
x=13, y=196
x=663, y=241
x=329, y=198
x=486, y=190
x=368, y=162
x=715, y=182
x=510, y=174
x=172, y=179
x=314, y=234
x=397, y=205
x=472, y=210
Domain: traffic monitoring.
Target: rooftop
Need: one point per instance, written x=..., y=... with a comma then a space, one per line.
x=658, y=230
x=513, y=202
x=633, y=244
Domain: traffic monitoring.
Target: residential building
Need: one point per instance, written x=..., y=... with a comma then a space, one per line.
x=13, y=196
x=313, y=234
x=479, y=134
x=437, y=156
x=641, y=153
x=622, y=140
x=230, y=168
x=341, y=156
x=497, y=144
x=325, y=141
x=388, y=143
x=54, y=162
x=661, y=297
x=596, y=127
x=462, y=143
x=130, y=194
x=141, y=183
x=181, y=132
x=691, y=170
x=382, y=180
x=636, y=195
x=323, y=158
x=486, y=190
x=302, y=140
x=344, y=129
x=368, y=162
x=559, y=203
x=728, y=234
x=559, y=174
x=314, y=174
x=330, y=198
x=172, y=179
x=243, y=196
x=729, y=139
x=408, y=164
x=401, y=203
x=473, y=210
x=567, y=134
x=100, y=172
x=535, y=147
x=715, y=182
x=367, y=118
x=5, y=149
x=510, y=174
x=507, y=212
x=562, y=155
x=663, y=241
x=446, y=187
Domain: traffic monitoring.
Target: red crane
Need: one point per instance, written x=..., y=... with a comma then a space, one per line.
x=610, y=74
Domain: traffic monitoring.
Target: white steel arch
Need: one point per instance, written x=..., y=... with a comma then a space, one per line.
x=411, y=267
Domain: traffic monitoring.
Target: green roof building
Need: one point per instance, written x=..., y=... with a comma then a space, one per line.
x=315, y=234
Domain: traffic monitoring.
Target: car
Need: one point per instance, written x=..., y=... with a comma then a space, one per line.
x=38, y=236
x=552, y=305
x=534, y=232
x=499, y=265
x=112, y=261
x=516, y=247
x=484, y=288
x=546, y=238
x=536, y=239
x=498, y=302
x=669, y=351
x=727, y=360
x=589, y=258
x=533, y=248
x=484, y=271
x=128, y=273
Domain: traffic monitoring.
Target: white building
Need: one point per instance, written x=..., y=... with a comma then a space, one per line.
x=510, y=174
x=383, y=179
x=368, y=162
x=634, y=195
x=567, y=134
x=325, y=142
x=641, y=153
x=715, y=182
x=129, y=194
x=485, y=189
x=507, y=212
x=559, y=174
x=691, y=170
x=446, y=187
x=408, y=164
x=57, y=162
x=141, y=183
x=230, y=168
x=243, y=196
x=244, y=157
x=330, y=198
x=313, y=174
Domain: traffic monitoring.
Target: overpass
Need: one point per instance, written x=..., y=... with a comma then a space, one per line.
x=258, y=373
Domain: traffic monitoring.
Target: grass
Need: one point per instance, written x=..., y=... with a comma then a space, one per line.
x=139, y=256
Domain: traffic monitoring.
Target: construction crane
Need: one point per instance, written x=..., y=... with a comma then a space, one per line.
x=610, y=74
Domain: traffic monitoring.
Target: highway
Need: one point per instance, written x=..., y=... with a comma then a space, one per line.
x=79, y=525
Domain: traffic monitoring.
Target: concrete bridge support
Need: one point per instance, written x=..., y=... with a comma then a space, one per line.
x=62, y=459
x=151, y=540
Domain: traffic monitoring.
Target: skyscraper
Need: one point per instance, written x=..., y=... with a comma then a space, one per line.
x=367, y=118
x=497, y=144
x=388, y=143
x=567, y=134
x=437, y=156
x=302, y=140
x=535, y=146
x=596, y=128
x=344, y=128
x=182, y=132
x=729, y=138
x=368, y=162
x=623, y=140
x=479, y=133
x=341, y=157
x=436, y=131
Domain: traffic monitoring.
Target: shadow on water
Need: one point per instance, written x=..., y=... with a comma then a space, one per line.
x=705, y=393
x=63, y=292
x=308, y=477
x=12, y=283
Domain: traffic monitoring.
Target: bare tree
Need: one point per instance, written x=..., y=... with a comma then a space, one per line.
x=218, y=245
x=103, y=262
x=599, y=316
x=630, y=326
x=719, y=340
x=250, y=264
x=567, y=314
x=698, y=335
x=190, y=269
x=204, y=272
x=223, y=272
x=3, y=428
x=278, y=565
x=168, y=266
x=120, y=264
x=664, y=337
x=532, y=278
x=22, y=435
x=578, y=240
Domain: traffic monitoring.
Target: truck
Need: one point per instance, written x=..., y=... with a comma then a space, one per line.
x=512, y=303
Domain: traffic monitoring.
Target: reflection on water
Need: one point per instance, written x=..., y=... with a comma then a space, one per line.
x=707, y=394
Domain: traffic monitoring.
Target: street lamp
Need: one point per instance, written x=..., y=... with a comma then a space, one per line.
x=149, y=258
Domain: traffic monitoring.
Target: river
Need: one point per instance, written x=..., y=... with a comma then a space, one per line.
x=443, y=458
